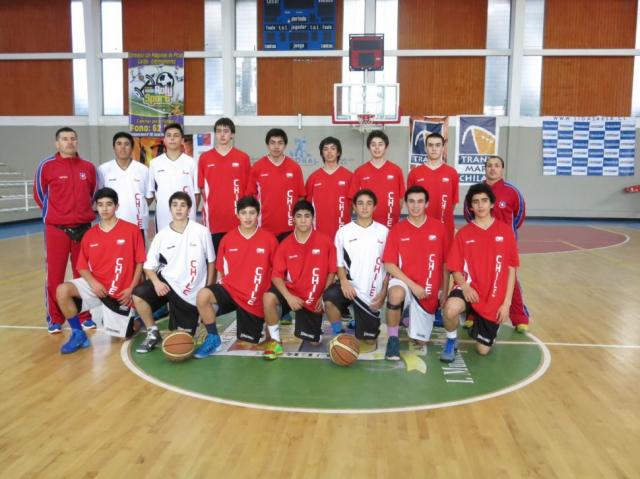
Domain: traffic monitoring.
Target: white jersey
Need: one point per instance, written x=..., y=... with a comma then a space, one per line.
x=168, y=176
x=131, y=185
x=182, y=258
x=359, y=252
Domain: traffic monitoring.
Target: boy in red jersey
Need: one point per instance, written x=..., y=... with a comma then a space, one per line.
x=303, y=267
x=244, y=262
x=223, y=175
x=63, y=188
x=276, y=181
x=328, y=188
x=414, y=256
x=510, y=208
x=483, y=261
x=110, y=265
x=383, y=178
x=440, y=180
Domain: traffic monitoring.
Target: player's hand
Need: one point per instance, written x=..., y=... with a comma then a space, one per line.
x=294, y=302
x=99, y=290
x=125, y=297
x=162, y=289
x=319, y=306
x=470, y=294
x=348, y=290
x=442, y=299
x=503, y=313
x=418, y=291
x=378, y=301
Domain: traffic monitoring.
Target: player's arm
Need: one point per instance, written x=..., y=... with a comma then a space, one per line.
x=211, y=273
x=378, y=300
x=444, y=290
x=319, y=304
x=125, y=295
x=40, y=186
x=97, y=287
x=160, y=287
x=418, y=291
x=197, y=203
x=503, y=311
x=470, y=294
x=520, y=211
x=294, y=302
x=345, y=285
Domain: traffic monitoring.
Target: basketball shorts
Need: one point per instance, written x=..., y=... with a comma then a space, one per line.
x=367, y=321
x=308, y=324
x=116, y=318
x=182, y=315
x=420, y=320
x=483, y=330
x=249, y=326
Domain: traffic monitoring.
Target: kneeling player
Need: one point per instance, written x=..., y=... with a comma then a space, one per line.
x=363, y=281
x=304, y=266
x=414, y=256
x=110, y=265
x=180, y=263
x=245, y=257
x=483, y=260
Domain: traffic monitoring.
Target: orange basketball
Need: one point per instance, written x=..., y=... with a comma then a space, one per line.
x=344, y=349
x=178, y=346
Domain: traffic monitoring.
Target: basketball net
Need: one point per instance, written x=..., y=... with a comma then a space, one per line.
x=365, y=123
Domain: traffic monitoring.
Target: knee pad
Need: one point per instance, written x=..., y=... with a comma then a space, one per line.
x=394, y=307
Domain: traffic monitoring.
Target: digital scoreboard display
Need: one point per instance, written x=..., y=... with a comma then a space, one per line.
x=299, y=25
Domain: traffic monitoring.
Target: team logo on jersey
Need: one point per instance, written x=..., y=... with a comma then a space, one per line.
x=185, y=172
x=212, y=165
x=260, y=250
x=405, y=239
x=499, y=239
x=161, y=171
x=292, y=256
x=137, y=180
x=113, y=179
x=289, y=175
x=193, y=244
x=264, y=174
x=445, y=180
x=390, y=177
x=502, y=204
x=366, y=178
x=317, y=184
x=233, y=250
x=83, y=175
x=342, y=183
x=432, y=237
x=63, y=177
x=469, y=241
x=315, y=251
x=120, y=241
x=235, y=165
x=93, y=245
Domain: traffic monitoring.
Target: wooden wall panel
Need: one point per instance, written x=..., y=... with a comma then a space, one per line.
x=166, y=25
x=35, y=26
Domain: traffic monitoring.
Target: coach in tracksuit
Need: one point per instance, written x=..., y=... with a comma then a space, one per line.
x=63, y=188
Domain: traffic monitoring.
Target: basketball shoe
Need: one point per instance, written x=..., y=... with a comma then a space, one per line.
x=522, y=328
x=150, y=342
x=448, y=353
x=209, y=347
x=89, y=324
x=393, y=349
x=54, y=328
x=272, y=350
x=77, y=340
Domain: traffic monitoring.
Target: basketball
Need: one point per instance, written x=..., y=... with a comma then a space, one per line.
x=178, y=346
x=344, y=350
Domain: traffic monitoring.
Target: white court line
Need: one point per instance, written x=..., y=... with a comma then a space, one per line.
x=582, y=250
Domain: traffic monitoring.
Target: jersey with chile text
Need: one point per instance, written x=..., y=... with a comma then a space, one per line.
x=420, y=253
x=359, y=251
x=182, y=258
x=304, y=266
x=278, y=188
x=387, y=183
x=167, y=176
x=484, y=257
x=63, y=188
x=131, y=185
x=328, y=192
x=222, y=180
x=246, y=264
x=111, y=256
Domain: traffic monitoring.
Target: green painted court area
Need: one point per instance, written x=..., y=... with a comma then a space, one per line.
x=298, y=382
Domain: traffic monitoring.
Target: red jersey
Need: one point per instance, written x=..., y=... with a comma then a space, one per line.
x=304, y=266
x=420, y=252
x=277, y=188
x=63, y=188
x=222, y=181
x=484, y=257
x=442, y=185
x=328, y=192
x=246, y=265
x=112, y=256
x=509, y=207
x=387, y=183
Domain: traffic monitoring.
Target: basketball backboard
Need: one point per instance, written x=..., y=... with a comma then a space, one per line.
x=353, y=100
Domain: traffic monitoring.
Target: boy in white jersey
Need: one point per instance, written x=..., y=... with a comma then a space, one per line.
x=363, y=281
x=180, y=262
x=170, y=172
x=129, y=178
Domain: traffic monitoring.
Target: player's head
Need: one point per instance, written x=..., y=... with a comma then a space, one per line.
x=379, y=134
x=416, y=198
x=494, y=168
x=248, y=209
x=177, y=127
x=67, y=141
x=377, y=142
x=173, y=137
x=225, y=122
x=225, y=130
x=434, y=146
x=122, y=135
x=276, y=141
x=303, y=213
x=480, y=199
x=122, y=145
x=106, y=200
x=108, y=193
x=330, y=149
x=180, y=203
x=364, y=203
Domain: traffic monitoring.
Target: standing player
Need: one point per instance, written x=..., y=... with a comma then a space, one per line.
x=180, y=263
x=383, y=178
x=170, y=172
x=414, y=256
x=223, y=174
x=328, y=189
x=276, y=180
x=363, y=281
x=110, y=265
x=510, y=209
x=483, y=261
x=63, y=188
x=129, y=179
x=244, y=264
x=303, y=267
x=440, y=180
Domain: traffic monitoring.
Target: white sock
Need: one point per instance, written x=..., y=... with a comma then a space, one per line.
x=153, y=328
x=274, y=331
x=452, y=334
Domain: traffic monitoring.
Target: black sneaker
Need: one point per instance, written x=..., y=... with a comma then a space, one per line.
x=150, y=342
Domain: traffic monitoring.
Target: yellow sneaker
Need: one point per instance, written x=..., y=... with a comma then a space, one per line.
x=272, y=350
x=522, y=328
x=468, y=324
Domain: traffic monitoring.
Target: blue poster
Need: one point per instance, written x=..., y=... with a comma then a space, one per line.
x=477, y=140
x=420, y=129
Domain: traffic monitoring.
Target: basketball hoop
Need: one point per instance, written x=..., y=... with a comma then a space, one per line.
x=365, y=122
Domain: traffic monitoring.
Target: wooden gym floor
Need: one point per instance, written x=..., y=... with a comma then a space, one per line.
x=87, y=415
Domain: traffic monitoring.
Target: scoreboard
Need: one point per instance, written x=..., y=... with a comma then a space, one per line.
x=299, y=25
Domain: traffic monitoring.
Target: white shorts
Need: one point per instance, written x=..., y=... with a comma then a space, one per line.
x=420, y=321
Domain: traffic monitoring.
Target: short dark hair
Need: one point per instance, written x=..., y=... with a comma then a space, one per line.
x=494, y=156
x=330, y=140
x=276, y=132
x=377, y=134
x=434, y=135
x=247, y=202
x=122, y=134
x=367, y=192
x=477, y=189
x=174, y=126
x=181, y=195
x=65, y=129
x=416, y=189
x=303, y=205
x=106, y=193
x=224, y=121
